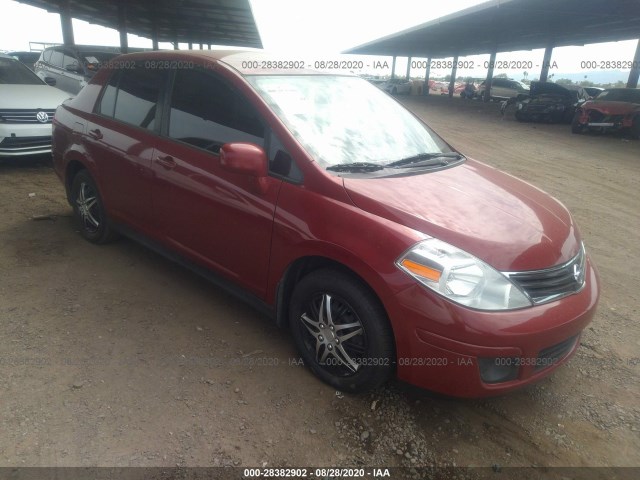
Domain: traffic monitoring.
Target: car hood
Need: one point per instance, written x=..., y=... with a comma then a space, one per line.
x=500, y=219
x=31, y=97
x=612, y=108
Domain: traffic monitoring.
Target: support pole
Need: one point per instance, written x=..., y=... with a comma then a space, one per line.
x=122, y=27
x=546, y=62
x=393, y=68
x=408, y=67
x=154, y=34
x=454, y=71
x=425, y=90
x=66, y=23
x=489, y=80
x=634, y=74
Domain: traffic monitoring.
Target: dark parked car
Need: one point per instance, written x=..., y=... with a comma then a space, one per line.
x=612, y=110
x=28, y=58
x=71, y=67
x=325, y=203
x=593, y=92
x=550, y=102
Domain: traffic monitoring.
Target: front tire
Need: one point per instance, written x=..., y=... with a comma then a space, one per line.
x=341, y=331
x=89, y=210
x=576, y=126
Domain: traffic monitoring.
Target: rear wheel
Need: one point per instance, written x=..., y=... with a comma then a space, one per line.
x=342, y=331
x=635, y=127
x=89, y=211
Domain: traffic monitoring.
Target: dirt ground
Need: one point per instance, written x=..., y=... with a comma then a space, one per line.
x=113, y=356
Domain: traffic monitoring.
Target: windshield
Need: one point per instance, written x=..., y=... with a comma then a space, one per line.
x=621, y=95
x=343, y=120
x=13, y=72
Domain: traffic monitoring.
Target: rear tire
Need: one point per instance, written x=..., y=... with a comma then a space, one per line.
x=341, y=331
x=635, y=128
x=89, y=210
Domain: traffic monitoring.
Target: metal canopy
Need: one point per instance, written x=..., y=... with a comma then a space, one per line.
x=511, y=25
x=215, y=22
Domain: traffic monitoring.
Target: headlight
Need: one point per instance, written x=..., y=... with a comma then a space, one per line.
x=520, y=105
x=461, y=277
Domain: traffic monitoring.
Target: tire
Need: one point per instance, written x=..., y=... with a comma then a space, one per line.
x=520, y=117
x=635, y=128
x=394, y=91
x=576, y=126
x=341, y=331
x=89, y=211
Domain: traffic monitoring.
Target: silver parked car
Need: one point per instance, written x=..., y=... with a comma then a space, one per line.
x=503, y=89
x=27, y=105
x=71, y=67
x=397, y=86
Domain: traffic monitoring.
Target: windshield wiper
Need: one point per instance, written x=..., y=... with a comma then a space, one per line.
x=426, y=160
x=356, y=167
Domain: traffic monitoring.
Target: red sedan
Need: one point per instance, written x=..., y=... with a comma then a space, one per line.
x=334, y=210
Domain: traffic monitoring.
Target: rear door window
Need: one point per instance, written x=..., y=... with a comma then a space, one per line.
x=137, y=96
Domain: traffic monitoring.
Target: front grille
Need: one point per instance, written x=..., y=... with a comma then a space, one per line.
x=598, y=117
x=11, y=143
x=25, y=116
x=552, y=283
x=552, y=355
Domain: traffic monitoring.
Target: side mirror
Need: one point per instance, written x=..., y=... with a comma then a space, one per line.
x=50, y=81
x=244, y=158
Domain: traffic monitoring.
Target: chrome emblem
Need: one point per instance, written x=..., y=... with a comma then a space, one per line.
x=42, y=117
x=577, y=273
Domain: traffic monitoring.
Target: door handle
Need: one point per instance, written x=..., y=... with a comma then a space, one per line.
x=95, y=133
x=167, y=162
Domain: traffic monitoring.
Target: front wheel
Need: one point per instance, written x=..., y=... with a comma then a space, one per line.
x=88, y=209
x=342, y=331
x=576, y=126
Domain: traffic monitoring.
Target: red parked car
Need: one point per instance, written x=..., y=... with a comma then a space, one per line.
x=324, y=202
x=613, y=109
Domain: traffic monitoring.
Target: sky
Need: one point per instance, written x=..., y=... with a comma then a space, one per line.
x=319, y=30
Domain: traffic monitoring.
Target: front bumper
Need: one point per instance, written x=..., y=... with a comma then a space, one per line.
x=440, y=350
x=18, y=140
